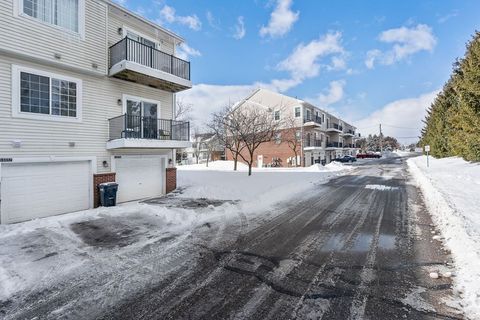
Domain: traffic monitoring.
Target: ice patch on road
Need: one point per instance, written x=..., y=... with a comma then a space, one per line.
x=416, y=301
x=380, y=187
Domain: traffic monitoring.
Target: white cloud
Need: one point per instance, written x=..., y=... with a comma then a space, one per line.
x=212, y=21
x=448, y=16
x=184, y=51
x=338, y=63
x=239, y=29
x=333, y=94
x=401, y=118
x=169, y=15
x=304, y=61
x=208, y=98
x=281, y=20
x=406, y=42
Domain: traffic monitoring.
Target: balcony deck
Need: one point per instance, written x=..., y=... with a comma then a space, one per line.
x=133, y=61
x=128, y=131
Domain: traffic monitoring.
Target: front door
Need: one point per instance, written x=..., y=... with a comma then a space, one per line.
x=142, y=119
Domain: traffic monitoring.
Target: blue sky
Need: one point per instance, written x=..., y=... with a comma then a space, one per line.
x=367, y=61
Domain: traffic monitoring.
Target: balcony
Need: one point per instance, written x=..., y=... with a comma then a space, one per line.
x=333, y=127
x=312, y=121
x=334, y=145
x=312, y=144
x=134, y=61
x=349, y=145
x=128, y=131
x=349, y=132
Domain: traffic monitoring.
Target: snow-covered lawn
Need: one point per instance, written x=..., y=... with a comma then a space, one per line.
x=263, y=188
x=44, y=253
x=451, y=188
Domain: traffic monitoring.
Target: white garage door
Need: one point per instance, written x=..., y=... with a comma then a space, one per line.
x=139, y=177
x=34, y=190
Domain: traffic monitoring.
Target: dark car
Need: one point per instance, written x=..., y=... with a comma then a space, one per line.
x=345, y=159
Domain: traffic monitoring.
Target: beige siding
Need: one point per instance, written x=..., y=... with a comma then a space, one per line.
x=45, y=138
x=118, y=19
x=32, y=37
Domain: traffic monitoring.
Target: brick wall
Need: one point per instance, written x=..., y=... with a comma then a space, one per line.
x=97, y=179
x=171, y=183
x=269, y=150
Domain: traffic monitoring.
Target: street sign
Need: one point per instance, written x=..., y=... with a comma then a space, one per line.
x=427, y=150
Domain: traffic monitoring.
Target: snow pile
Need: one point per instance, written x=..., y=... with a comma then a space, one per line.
x=222, y=165
x=215, y=165
x=451, y=188
x=257, y=192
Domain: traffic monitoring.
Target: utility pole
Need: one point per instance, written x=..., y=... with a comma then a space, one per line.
x=381, y=138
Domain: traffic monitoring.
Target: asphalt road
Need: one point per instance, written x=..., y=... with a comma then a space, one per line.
x=358, y=247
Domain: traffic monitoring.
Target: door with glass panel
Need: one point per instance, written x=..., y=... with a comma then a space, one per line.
x=141, y=50
x=142, y=119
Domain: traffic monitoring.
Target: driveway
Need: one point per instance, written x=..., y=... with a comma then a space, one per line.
x=358, y=247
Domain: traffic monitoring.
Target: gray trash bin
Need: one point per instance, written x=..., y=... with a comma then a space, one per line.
x=108, y=194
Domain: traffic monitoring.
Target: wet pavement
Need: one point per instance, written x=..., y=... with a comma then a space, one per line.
x=357, y=247
x=346, y=251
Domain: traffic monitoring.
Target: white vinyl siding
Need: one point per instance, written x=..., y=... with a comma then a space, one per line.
x=99, y=103
x=119, y=24
x=62, y=13
x=25, y=35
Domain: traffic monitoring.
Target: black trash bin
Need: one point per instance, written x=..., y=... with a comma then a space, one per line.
x=108, y=194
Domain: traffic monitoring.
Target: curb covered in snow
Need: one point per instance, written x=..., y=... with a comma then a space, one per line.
x=458, y=238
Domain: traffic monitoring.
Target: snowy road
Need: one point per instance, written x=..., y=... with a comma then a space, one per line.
x=358, y=247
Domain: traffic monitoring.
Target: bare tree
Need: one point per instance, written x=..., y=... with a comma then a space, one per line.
x=182, y=110
x=257, y=125
x=211, y=144
x=226, y=125
x=293, y=136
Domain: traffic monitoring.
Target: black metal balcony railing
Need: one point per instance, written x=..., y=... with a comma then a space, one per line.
x=335, y=126
x=313, y=143
x=315, y=119
x=132, y=50
x=350, y=132
x=349, y=145
x=137, y=127
x=334, y=145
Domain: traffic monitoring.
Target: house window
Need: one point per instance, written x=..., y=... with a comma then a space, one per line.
x=276, y=115
x=309, y=115
x=297, y=112
x=41, y=94
x=143, y=40
x=61, y=13
x=298, y=135
x=278, y=138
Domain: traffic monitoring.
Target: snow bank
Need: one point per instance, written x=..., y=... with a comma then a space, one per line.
x=451, y=188
x=257, y=192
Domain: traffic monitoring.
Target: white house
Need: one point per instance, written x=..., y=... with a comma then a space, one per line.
x=87, y=91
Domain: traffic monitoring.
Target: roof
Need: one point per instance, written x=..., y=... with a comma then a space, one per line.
x=152, y=24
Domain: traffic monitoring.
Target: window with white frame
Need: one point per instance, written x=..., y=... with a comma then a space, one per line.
x=61, y=13
x=278, y=138
x=297, y=112
x=276, y=115
x=44, y=94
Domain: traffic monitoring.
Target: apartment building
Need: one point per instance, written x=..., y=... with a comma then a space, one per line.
x=322, y=136
x=87, y=91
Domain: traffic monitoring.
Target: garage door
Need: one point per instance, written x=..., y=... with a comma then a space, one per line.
x=34, y=190
x=139, y=177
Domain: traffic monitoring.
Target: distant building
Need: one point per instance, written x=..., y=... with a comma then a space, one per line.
x=204, y=146
x=322, y=136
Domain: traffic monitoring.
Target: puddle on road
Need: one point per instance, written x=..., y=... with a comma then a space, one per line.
x=362, y=242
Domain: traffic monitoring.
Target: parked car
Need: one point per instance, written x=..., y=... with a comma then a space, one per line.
x=345, y=159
